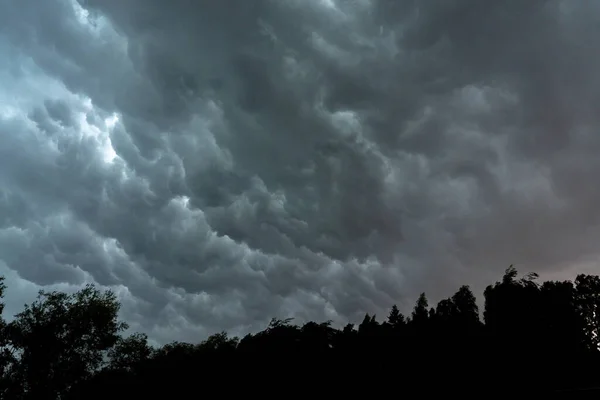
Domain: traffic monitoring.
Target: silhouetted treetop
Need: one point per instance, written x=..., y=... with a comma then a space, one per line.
x=395, y=318
x=420, y=313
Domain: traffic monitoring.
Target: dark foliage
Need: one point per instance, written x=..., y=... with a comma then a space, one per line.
x=534, y=339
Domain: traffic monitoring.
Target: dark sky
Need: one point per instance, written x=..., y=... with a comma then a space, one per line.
x=219, y=163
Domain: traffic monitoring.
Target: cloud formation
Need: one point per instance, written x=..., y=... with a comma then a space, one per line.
x=221, y=163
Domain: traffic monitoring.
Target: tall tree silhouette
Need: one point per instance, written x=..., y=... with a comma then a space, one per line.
x=466, y=311
x=420, y=314
x=512, y=312
x=395, y=318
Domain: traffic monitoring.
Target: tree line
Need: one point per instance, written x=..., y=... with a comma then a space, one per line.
x=532, y=336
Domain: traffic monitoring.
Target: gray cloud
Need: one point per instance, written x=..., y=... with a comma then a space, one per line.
x=221, y=163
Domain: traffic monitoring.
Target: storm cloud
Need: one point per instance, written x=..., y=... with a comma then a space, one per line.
x=219, y=163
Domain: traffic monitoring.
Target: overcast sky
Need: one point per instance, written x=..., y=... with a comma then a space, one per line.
x=219, y=163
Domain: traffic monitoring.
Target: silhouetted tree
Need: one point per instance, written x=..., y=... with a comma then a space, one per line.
x=395, y=318
x=420, y=314
x=465, y=308
x=60, y=340
x=128, y=353
x=219, y=342
x=512, y=311
x=445, y=311
x=368, y=326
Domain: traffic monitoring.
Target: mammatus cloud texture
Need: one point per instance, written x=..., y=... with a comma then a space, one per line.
x=219, y=163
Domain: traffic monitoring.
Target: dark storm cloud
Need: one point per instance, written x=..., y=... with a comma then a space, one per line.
x=220, y=163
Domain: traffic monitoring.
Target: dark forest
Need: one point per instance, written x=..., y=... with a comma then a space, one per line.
x=531, y=337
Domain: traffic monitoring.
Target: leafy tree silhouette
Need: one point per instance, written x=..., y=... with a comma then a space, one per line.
x=128, y=353
x=59, y=341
